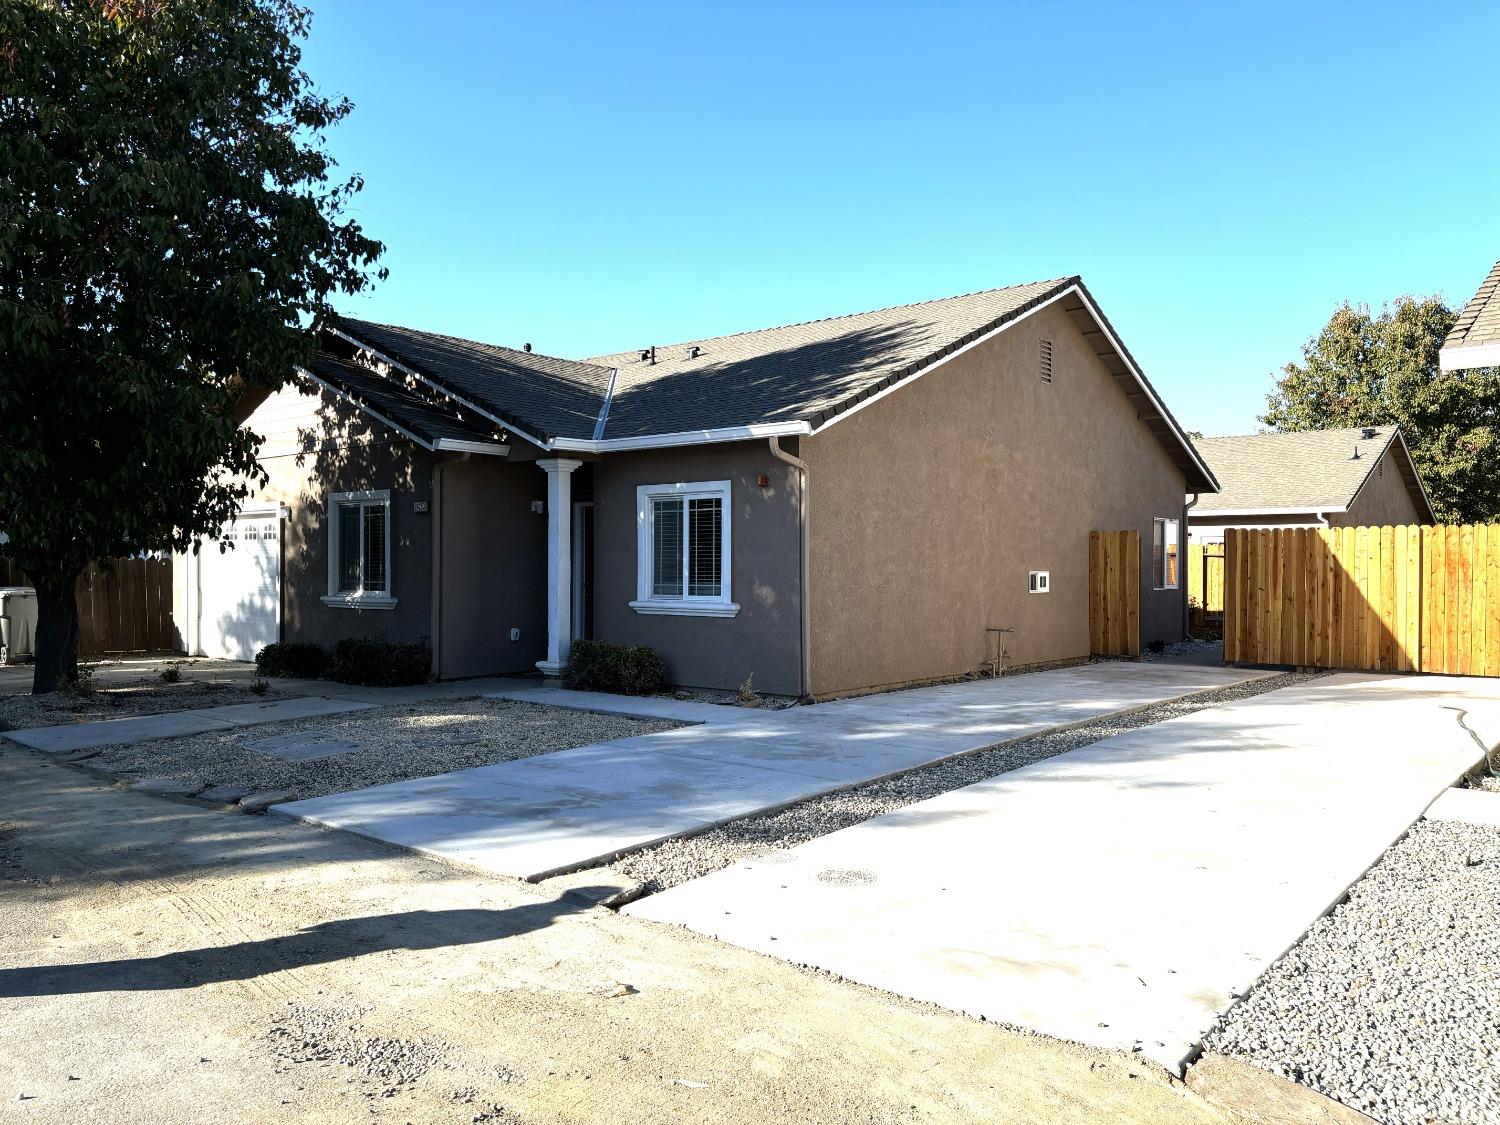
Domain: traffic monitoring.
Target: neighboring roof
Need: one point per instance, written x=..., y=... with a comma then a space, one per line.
x=541, y=395
x=1477, y=326
x=394, y=404
x=1307, y=471
x=793, y=379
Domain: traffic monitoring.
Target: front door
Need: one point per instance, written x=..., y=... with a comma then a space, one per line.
x=583, y=570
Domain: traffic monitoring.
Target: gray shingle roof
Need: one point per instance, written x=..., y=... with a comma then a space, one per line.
x=1311, y=469
x=541, y=395
x=799, y=372
x=1479, y=322
x=425, y=420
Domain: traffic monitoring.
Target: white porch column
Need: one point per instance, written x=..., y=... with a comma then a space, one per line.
x=559, y=472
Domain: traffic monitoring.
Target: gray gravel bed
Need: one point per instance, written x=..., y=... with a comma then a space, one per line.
x=1391, y=1004
x=146, y=696
x=676, y=861
x=394, y=743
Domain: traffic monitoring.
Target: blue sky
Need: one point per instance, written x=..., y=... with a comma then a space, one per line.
x=596, y=177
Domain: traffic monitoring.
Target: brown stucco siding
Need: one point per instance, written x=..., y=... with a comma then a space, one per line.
x=763, y=639
x=1384, y=498
x=494, y=566
x=315, y=445
x=929, y=507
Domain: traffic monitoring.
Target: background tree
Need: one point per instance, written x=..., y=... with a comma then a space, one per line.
x=170, y=233
x=1382, y=370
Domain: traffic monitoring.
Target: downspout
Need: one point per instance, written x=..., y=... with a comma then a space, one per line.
x=437, y=569
x=1187, y=540
x=801, y=467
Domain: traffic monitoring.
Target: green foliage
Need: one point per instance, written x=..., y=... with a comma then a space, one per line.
x=297, y=659
x=365, y=660
x=171, y=674
x=1381, y=370
x=260, y=687
x=171, y=229
x=606, y=666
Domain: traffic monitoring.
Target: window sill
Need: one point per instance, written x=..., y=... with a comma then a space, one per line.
x=359, y=601
x=686, y=609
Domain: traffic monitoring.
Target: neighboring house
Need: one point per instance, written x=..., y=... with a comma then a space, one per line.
x=831, y=507
x=1474, y=340
x=1316, y=478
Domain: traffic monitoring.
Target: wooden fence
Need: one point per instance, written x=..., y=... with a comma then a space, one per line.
x=1115, y=593
x=1388, y=599
x=1206, y=577
x=124, y=608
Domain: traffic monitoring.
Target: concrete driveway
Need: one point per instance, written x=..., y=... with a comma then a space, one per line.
x=556, y=812
x=1123, y=894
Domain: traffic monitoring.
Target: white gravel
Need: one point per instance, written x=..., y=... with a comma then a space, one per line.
x=1391, y=1004
x=394, y=743
x=676, y=861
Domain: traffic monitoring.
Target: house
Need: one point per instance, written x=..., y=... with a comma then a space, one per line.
x=1474, y=339
x=1316, y=478
x=830, y=507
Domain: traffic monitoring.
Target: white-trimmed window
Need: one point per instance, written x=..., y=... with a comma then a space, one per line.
x=1164, y=553
x=682, y=547
x=359, y=549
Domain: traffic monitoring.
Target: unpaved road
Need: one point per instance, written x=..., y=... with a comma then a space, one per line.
x=163, y=963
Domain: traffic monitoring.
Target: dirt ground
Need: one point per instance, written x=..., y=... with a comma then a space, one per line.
x=130, y=686
x=160, y=962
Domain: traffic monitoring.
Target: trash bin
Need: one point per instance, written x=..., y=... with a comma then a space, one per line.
x=17, y=623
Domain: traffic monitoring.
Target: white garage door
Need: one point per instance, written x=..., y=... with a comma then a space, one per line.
x=241, y=589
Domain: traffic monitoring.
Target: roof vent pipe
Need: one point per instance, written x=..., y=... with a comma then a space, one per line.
x=1355, y=455
x=526, y=346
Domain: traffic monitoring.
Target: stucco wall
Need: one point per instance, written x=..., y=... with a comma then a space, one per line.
x=315, y=445
x=494, y=561
x=929, y=507
x=1384, y=499
x=764, y=638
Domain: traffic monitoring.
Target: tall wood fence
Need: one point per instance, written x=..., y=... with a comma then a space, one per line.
x=1388, y=599
x=1115, y=593
x=1206, y=577
x=126, y=607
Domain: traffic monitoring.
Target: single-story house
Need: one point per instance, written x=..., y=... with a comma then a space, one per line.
x=1474, y=339
x=830, y=507
x=1315, y=478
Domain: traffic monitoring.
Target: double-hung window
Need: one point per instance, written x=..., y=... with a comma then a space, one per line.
x=1164, y=554
x=359, y=549
x=682, y=538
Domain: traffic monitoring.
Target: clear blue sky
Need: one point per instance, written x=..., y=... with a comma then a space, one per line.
x=595, y=177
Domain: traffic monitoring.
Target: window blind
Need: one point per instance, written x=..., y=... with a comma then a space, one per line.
x=705, y=561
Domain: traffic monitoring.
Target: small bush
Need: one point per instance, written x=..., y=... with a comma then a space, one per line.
x=365, y=660
x=170, y=675
x=81, y=683
x=260, y=687
x=297, y=659
x=606, y=666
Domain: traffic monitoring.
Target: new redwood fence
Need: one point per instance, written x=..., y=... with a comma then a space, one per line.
x=1387, y=599
x=124, y=608
x=1115, y=593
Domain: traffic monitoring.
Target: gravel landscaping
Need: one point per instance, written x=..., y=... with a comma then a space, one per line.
x=677, y=861
x=359, y=749
x=1391, y=1004
x=147, y=694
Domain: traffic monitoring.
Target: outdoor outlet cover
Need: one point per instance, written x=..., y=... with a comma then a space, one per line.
x=515, y=634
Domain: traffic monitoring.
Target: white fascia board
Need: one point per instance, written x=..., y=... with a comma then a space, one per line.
x=1243, y=513
x=458, y=445
x=683, y=437
x=1468, y=357
x=1098, y=321
x=440, y=388
x=365, y=407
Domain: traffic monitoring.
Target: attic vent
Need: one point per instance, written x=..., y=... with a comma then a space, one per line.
x=1046, y=361
x=1367, y=433
x=694, y=352
x=527, y=347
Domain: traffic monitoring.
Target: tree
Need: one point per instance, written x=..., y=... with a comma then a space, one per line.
x=1382, y=370
x=170, y=232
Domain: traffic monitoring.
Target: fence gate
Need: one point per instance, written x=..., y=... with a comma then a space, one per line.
x=1206, y=580
x=1382, y=599
x=1115, y=593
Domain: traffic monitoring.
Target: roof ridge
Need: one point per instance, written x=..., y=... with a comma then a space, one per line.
x=467, y=340
x=1053, y=281
x=1297, y=433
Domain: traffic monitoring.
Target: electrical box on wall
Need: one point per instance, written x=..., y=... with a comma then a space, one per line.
x=539, y=506
x=515, y=634
x=419, y=505
x=1041, y=581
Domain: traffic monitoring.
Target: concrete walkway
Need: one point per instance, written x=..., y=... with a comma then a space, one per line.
x=556, y=812
x=1125, y=893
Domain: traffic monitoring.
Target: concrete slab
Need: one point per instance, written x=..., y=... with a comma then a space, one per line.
x=635, y=706
x=69, y=737
x=556, y=812
x=1471, y=806
x=302, y=747
x=1124, y=893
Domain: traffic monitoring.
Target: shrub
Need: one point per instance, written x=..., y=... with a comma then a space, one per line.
x=606, y=666
x=297, y=659
x=260, y=687
x=365, y=660
x=171, y=674
x=80, y=684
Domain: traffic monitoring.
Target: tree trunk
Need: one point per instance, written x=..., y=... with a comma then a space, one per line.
x=56, y=635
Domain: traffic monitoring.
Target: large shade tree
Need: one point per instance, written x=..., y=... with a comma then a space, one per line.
x=171, y=231
x=1381, y=368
